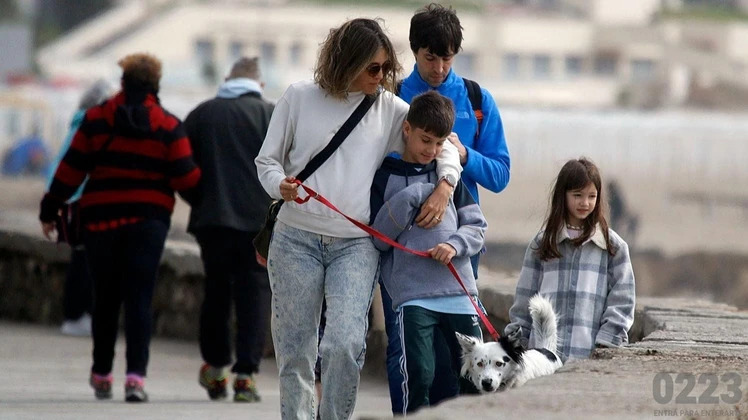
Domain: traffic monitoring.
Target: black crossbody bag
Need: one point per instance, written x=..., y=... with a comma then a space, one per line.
x=262, y=240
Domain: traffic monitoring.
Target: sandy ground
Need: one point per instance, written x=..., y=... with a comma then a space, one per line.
x=668, y=223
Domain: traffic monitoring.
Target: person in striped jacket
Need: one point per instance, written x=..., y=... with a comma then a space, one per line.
x=135, y=155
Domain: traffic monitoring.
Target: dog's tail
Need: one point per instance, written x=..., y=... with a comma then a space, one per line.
x=544, y=324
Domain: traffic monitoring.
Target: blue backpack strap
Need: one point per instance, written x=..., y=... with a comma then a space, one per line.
x=476, y=101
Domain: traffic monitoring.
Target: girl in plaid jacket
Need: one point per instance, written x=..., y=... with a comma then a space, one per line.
x=581, y=265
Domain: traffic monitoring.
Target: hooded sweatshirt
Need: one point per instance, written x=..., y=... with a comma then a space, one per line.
x=226, y=133
x=398, y=191
x=134, y=178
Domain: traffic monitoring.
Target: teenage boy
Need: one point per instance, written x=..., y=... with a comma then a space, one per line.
x=435, y=39
x=425, y=296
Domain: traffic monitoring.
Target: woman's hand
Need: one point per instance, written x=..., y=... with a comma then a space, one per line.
x=289, y=189
x=443, y=253
x=48, y=228
x=434, y=207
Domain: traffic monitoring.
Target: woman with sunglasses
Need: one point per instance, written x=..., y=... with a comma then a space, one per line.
x=315, y=254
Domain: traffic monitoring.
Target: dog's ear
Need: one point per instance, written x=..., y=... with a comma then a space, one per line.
x=466, y=342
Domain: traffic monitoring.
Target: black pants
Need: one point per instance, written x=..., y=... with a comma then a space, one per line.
x=232, y=273
x=124, y=262
x=77, y=296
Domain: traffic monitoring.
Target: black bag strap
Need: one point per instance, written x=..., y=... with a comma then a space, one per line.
x=338, y=138
x=476, y=101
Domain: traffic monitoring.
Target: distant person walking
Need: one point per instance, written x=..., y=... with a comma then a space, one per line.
x=135, y=154
x=622, y=219
x=226, y=134
x=77, y=298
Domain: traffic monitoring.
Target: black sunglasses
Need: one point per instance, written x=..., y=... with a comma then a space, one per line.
x=374, y=69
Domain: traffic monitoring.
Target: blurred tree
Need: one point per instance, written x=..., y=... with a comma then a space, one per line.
x=55, y=17
x=8, y=10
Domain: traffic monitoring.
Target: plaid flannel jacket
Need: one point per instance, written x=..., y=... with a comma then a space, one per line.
x=592, y=293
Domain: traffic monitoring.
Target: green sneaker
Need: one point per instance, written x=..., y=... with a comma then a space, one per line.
x=215, y=385
x=245, y=390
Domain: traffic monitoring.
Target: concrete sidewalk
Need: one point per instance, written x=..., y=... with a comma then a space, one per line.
x=45, y=376
x=692, y=363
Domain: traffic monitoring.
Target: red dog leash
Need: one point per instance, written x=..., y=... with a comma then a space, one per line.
x=373, y=232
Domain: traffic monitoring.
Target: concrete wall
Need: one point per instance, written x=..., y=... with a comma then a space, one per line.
x=32, y=273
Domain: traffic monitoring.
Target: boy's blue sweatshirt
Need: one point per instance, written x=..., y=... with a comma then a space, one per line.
x=398, y=191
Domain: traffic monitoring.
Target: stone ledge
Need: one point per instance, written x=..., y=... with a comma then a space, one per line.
x=674, y=336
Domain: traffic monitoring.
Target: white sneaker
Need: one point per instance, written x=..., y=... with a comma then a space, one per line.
x=80, y=327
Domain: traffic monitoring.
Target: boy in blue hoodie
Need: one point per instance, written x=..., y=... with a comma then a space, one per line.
x=425, y=295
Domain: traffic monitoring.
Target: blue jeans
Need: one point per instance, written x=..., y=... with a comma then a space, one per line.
x=304, y=269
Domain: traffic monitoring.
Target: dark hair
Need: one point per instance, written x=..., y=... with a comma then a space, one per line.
x=141, y=72
x=347, y=51
x=574, y=175
x=437, y=29
x=246, y=67
x=432, y=113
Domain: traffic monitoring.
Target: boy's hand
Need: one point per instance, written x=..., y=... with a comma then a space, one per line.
x=434, y=207
x=443, y=253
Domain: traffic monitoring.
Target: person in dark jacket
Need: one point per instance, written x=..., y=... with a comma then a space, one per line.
x=77, y=299
x=226, y=133
x=135, y=154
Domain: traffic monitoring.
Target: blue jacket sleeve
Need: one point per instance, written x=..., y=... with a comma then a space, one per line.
x=75, y=123
x=488, y=161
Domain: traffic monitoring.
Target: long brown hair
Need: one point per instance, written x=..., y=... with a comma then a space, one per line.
x=348, y=50
x=574, y=175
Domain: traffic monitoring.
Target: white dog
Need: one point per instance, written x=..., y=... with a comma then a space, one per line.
x=508, y=363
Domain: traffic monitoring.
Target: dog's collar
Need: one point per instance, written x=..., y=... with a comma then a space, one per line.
x=597, y=238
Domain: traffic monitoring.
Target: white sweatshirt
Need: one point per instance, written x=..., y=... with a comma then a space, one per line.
x=303, y=123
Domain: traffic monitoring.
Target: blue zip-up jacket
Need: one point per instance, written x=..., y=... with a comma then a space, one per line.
x=75, y=123
x=398, y=190
x=487, y=162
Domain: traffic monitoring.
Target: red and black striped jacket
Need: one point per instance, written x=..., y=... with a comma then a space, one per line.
x=134, y=178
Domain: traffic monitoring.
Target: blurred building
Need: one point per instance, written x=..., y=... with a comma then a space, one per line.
x=15, y=50
x=578, y=53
